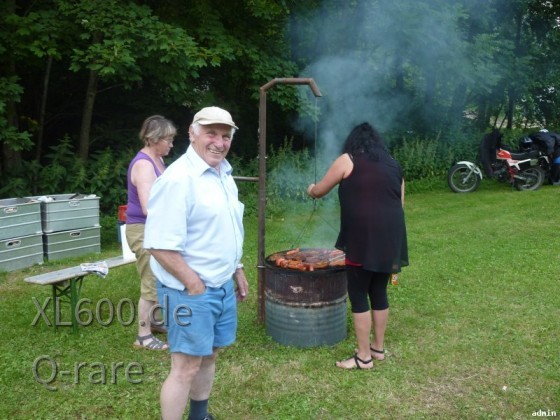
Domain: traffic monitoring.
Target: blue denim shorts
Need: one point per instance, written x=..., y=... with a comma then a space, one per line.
x=197, y=324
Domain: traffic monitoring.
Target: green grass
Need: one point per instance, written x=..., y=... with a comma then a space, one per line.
x=473, y=330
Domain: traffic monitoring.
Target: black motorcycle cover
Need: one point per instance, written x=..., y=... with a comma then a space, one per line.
x=547, y=142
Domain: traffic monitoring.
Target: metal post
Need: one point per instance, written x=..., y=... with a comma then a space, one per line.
x=261, y=277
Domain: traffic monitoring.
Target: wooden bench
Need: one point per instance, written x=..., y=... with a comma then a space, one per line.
x=67, y=284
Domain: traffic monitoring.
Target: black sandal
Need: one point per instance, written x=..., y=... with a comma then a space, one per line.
x=357, y=362
x=378, y=352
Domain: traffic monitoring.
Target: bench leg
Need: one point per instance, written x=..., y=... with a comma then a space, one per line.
x=75, y=288
x=55, y=306
x=70, y=291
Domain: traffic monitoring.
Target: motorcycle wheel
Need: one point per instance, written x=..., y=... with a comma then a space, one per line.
x=462, y=179
x=533, y=178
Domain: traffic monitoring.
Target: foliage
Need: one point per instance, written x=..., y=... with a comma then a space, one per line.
x=413, y=67
x=424, y=161
x=420, y=159
x=108, y=179
x=132, y=42
x=420, y=65
x=248, y=190
x=9, y=134
x=289, y=172
x=104, y=175
x=63, y=173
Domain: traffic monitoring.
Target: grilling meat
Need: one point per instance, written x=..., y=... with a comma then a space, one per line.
x=308, y=259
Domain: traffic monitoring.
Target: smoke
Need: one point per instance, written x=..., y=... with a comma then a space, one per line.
x=385, y=62
x=379, y=61
x=349, y=98
x=376, y=61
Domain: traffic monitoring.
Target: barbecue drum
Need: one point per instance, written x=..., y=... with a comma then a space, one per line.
x=305, y=294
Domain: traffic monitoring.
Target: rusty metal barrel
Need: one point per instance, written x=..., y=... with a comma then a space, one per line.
x=306, y=308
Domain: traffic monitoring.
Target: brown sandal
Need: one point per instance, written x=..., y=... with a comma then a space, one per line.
x=154, y=344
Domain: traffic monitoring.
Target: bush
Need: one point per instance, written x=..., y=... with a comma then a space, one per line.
x=248, y=190
x=425, y=163
x=289, y=172
x=104, y=175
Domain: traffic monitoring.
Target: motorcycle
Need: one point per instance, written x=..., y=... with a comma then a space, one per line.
x=523, y=170
x=548, y=143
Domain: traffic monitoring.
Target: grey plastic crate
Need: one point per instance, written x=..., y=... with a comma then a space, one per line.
x=19, y=217
x=72, y=243
x=16, y=253
x=69, y=211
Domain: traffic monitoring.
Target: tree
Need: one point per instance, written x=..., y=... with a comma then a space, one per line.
x=116, y=40
x=250, y=46
x=408, y=65
x=423, y=65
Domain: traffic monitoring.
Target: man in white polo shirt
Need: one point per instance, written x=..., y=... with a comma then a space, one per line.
x=194, y=232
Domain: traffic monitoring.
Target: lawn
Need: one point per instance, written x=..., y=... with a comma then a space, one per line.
x=473, y=329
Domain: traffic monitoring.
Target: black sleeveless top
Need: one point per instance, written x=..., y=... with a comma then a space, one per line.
x=372, y=225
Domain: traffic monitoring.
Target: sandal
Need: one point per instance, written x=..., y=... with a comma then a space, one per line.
x=154, y=344
x=358, y=363
x=378, y=352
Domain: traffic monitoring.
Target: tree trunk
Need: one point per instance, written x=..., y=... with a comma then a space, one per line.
x=91, y=92
x=512, y=94
x=510, y=109
x=42, y=110
x=483, y=114
x=455, y=110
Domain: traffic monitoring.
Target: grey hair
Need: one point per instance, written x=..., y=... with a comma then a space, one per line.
x=155, y=128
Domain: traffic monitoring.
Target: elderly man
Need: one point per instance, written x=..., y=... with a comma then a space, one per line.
x=194, y=232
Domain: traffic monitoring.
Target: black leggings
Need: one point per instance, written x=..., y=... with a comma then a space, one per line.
x=363, y=284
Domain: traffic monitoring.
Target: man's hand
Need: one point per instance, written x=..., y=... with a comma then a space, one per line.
x=178, y=268
x=242, y=284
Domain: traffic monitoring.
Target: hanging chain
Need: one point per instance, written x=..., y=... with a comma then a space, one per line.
x=315, y=143
x=313, y=210
x=316, y=159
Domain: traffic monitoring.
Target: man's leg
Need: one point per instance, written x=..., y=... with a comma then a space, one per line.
x=201, y=388
x=144, y=307
x=188, y=374
x=203, y=381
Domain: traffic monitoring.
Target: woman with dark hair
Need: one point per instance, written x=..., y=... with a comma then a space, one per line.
x=372, y=234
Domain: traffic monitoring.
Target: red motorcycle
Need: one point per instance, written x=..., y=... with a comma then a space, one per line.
x=523, y=170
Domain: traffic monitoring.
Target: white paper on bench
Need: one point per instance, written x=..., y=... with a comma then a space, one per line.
x=100, y=268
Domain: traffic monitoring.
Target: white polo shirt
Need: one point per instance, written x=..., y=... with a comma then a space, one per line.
x=194, y=209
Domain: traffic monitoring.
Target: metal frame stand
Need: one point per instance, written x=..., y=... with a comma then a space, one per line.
x=262, y=181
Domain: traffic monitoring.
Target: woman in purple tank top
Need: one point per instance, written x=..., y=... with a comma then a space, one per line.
x=157, y=134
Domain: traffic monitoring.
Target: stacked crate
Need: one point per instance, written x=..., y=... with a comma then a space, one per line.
x=21, y=244
x=70, y=225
